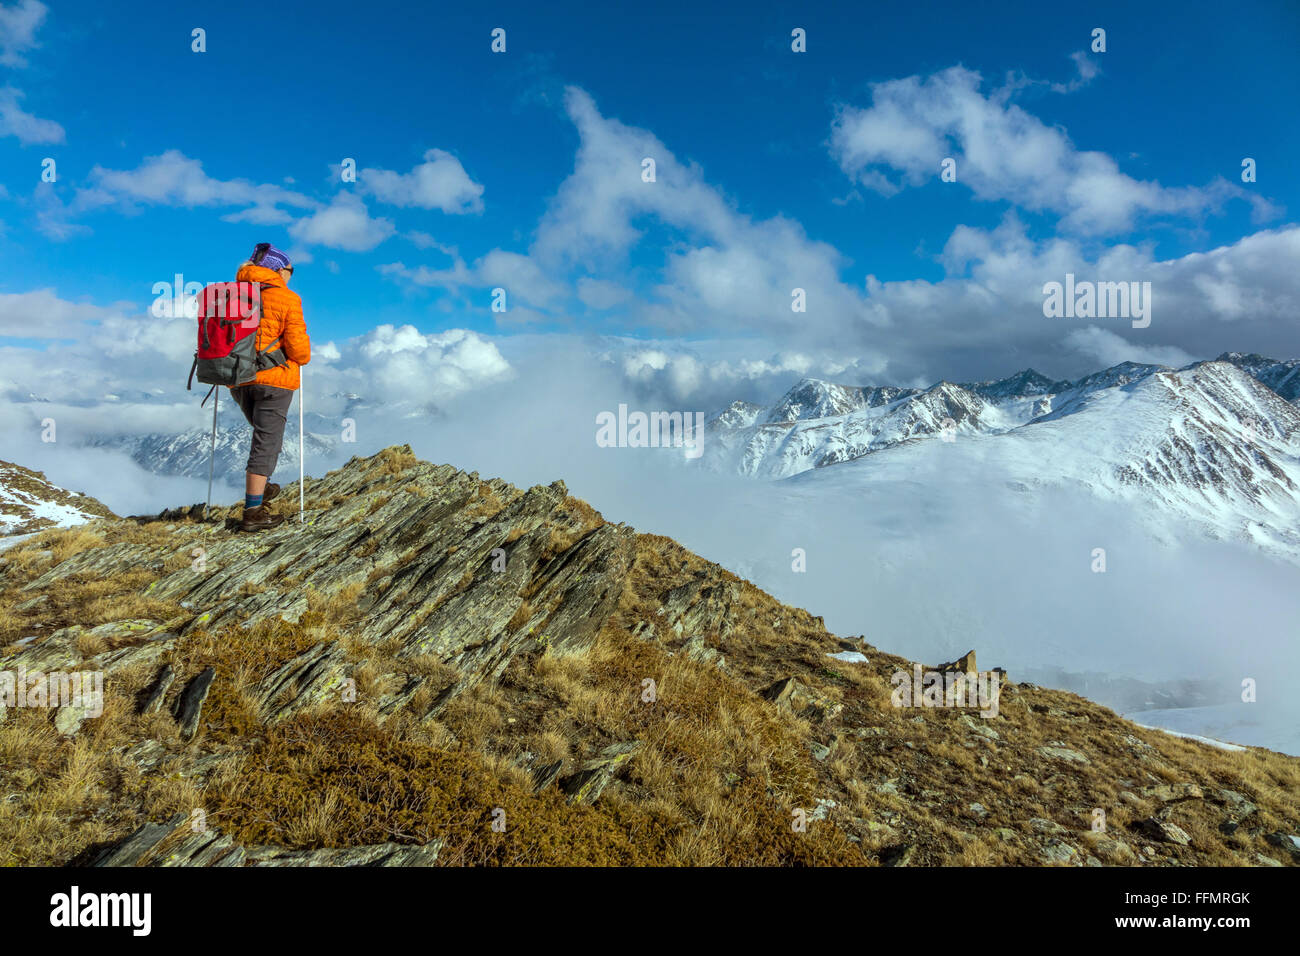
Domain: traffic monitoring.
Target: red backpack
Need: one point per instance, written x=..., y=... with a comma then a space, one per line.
x=230, y=314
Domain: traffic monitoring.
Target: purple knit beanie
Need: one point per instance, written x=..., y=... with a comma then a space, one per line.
x=269, y=257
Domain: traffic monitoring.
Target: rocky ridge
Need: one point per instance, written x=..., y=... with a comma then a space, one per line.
x=432, y=654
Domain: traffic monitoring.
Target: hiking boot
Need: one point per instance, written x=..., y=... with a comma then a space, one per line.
x=259, y=519
x=272, y=489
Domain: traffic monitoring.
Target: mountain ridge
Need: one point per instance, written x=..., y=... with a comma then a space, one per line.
x=1208, y=444
x=430, y=648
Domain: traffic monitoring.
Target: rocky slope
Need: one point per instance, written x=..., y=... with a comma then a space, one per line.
x=439, y=669
x=29, y=502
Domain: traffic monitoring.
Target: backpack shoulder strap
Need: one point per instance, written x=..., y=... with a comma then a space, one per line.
x=267, y=354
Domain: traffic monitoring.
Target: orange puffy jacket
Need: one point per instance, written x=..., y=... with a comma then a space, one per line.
x=281, y=319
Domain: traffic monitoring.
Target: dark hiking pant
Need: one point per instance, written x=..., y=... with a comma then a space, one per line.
x=266, y=409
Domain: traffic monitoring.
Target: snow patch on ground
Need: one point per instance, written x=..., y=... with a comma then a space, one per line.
x=1251, y=725
x=13, y=540
x=28, y=503
x=850, y=657
x=1210, y=741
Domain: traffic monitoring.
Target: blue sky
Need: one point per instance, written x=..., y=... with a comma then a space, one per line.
x=1182, y=93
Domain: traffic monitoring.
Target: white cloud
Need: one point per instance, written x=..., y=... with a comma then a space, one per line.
x=14, y=121
x=393, y=363
x=53, y=217
x=174, y=179
x=260, y=216
x=109, y=350
x=344, y=224
x=168, y=179
x=602, y=293
x=1003, y=152
x=118, y=370
x=1088, y=71
x=709, y=375
x=725, y=271
x=522, y=278
x=1104, y=349
x=519, y=275
x=41, y=314
x=440, y=182
x=1243, y=296
x=458, y=274
x=422, y=240
x=591, y=219
x=18, y=26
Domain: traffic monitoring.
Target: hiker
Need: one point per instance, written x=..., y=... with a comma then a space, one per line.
x=265, y=401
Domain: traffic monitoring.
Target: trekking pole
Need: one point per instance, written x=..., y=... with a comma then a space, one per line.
x=212, y=458
x=301, y=445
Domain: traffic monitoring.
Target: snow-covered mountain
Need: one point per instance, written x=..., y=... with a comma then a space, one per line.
x=329, y=437
x=1210, y=442
x=29, y=502
x=1022, y=384
x=818, y=424
x=812, y=398
x=1281, y=377
x=187, y=453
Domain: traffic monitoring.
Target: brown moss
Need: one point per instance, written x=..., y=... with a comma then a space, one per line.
x=393, y=461
x=485, y=504
x=571, y=522
x=520, y=617
x=241, y=657
x=381, y=789
x=85, y=600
